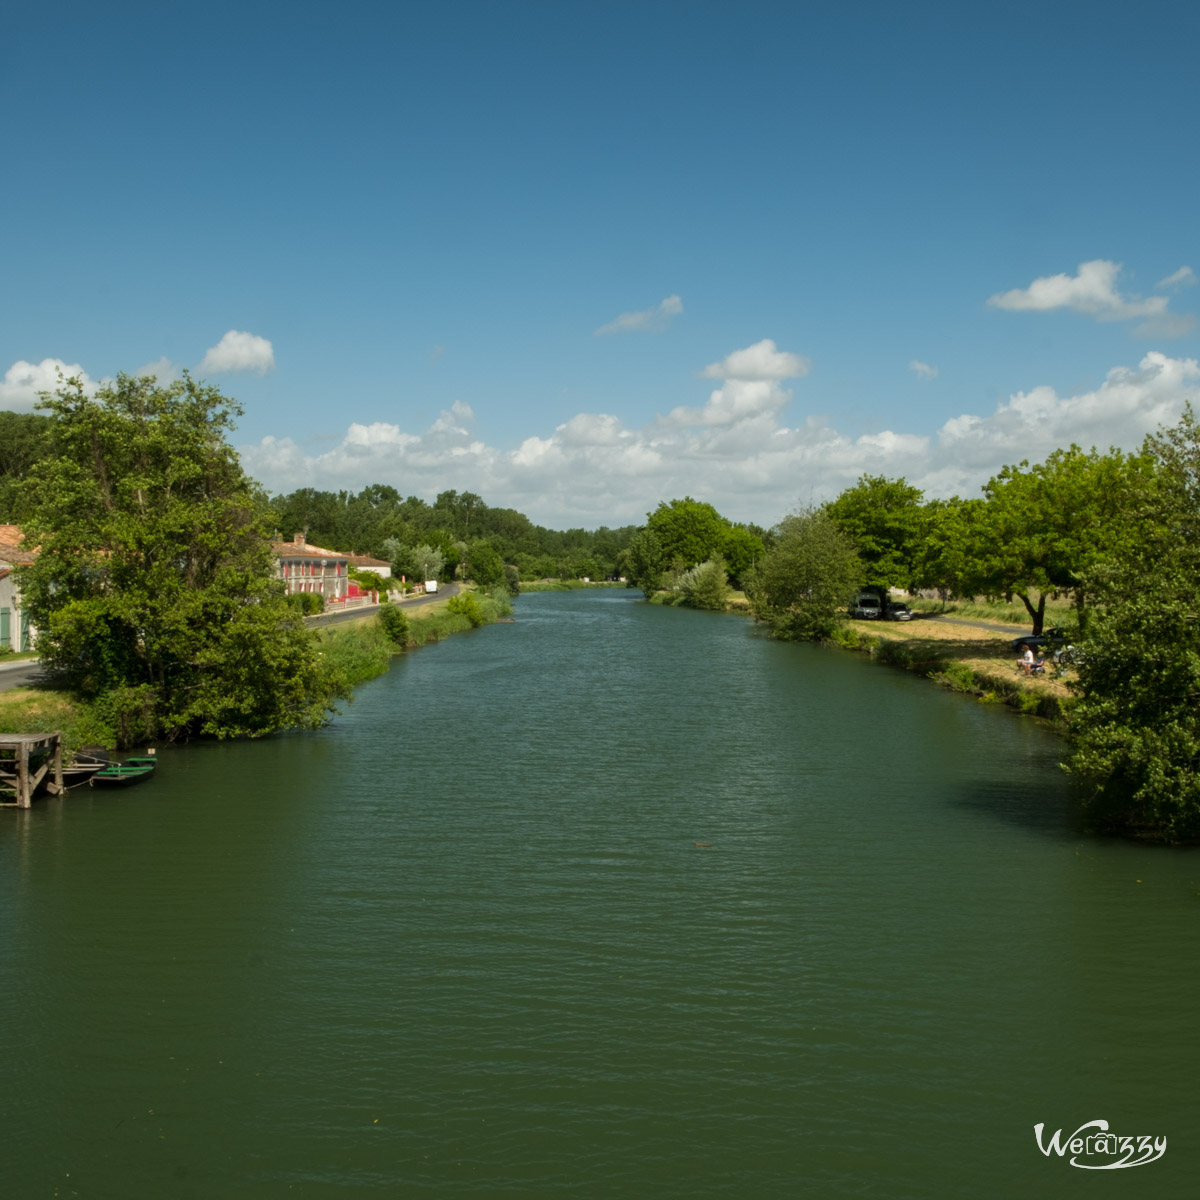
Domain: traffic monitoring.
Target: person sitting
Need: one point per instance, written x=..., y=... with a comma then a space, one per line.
x=1027, y=660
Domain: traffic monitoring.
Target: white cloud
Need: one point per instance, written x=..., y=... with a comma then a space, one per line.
x=735, y=451
x=239, y=352
x=164, y=370
x=1182, y=278
x=922, y=370
x=23, y=381
x=1091, y=292
x=760, y=361
x=649, y=320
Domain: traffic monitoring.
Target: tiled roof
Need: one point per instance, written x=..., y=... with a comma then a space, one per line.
x=10, y=546
x=365, y=560
x=292, y=550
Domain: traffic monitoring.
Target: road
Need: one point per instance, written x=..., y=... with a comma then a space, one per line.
x=352, y=614
x=19, y=674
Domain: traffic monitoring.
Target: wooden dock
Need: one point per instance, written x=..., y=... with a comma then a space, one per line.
x=17, y=778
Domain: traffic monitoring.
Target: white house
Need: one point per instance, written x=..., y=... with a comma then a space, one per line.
x=15, y=633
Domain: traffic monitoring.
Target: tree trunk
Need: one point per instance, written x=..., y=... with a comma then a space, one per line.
x=1037, y=615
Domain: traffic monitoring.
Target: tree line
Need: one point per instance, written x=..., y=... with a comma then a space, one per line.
x=155, y=596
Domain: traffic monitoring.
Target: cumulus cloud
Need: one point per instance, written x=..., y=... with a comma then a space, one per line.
x=23, y=381
x=649, y=320
x=1092, y=291
x=760, y=361
x=239, y=352
x=922, y=370
x=1182, y=278
x=593, y=469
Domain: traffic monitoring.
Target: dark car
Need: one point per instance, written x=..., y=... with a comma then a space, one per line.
x=1037, y=641
x=895, y=610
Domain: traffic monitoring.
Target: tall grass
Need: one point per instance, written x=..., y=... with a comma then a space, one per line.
x=1058, y=612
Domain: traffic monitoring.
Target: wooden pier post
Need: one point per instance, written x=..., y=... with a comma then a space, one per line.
x=24, y=781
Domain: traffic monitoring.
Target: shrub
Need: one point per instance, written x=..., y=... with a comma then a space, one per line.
x=705, y=586
x=394, y=624
x=466, y=605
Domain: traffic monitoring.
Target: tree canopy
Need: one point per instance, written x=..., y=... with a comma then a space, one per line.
x=154, y=587
x=883, y=518
x=1136, y=724
x=806, y=579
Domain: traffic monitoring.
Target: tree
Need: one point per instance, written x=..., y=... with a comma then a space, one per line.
x=1044, y=527
x=646, y=561
x=485, y=565
x=806, y=579
x=428, y=562
x=740, y=550
x=24, y=439
x=153, y=590
x=688, y=530
x=882, y=517
x=1136, y=723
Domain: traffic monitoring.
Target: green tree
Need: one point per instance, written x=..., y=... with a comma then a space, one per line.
x=1043, y=528
x=882, y=517
x=428, y=562
x=741, y=549
x=1136, y=722
x=688, y=530
x=154, y=586
x=646, y=561
x=24, y=440
x=485, y=565
x=802, y=586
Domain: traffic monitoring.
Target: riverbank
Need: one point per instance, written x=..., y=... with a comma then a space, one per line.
x=966, y=658
x=358, y=649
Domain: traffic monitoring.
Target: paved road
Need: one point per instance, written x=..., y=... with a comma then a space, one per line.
x=19, y=674
x=352, y=614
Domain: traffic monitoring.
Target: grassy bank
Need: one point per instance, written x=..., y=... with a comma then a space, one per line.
x=566, y=585
x=359, y=650
x=964, y=658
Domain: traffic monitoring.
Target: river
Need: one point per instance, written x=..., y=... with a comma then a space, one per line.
x=612, y=901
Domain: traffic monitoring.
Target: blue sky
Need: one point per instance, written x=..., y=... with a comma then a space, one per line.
x=579, y=258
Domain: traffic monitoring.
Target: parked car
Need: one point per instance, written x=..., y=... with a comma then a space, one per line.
x=866, y=607
x=896, y=610
x=1037, y=641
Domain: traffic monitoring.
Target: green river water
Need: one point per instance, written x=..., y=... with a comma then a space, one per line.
x=464, y=942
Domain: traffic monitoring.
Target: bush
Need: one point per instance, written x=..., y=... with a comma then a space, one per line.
x=394, y=624
x=466, y=605
x=309, y=603
x=705, y=586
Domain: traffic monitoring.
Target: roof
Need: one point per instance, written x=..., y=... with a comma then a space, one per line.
x=10, y=546
x=292, y=550
x=365, y=560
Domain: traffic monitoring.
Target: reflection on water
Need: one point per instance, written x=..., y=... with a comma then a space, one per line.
x=615, y=898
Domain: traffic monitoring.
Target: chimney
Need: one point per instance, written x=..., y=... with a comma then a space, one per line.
x=298, y=539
